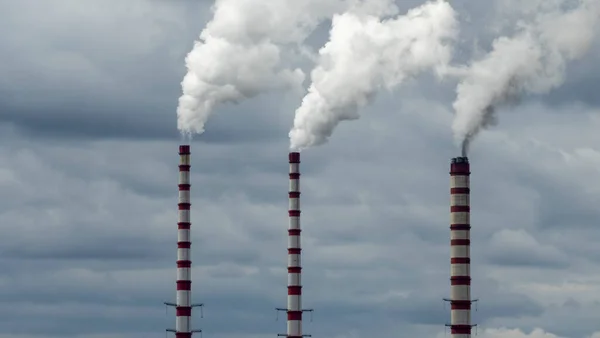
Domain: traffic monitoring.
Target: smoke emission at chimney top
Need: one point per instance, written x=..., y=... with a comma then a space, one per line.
x=532, y=61
x=246, y=49
x=365, y=54
x=240, y=54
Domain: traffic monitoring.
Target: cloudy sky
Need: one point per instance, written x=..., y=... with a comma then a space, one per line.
x=88, y=174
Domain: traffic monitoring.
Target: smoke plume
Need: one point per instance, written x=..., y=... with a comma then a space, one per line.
x=239, y=54
x=532, y=61
x=366, y=53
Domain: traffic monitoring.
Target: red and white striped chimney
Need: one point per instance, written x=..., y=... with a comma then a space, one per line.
x=460, y=242
x=294, y=302
x=183, y=304
x=184, y=263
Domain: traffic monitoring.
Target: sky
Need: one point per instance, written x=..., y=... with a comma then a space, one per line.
x=88, y=191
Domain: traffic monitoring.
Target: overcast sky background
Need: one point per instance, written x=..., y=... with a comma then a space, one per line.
x=88, y=192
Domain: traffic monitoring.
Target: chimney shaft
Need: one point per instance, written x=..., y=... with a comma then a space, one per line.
x=183, y=303
x=460, y=242
x=294, y=301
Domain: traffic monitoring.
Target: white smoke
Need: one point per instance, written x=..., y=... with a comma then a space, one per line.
x=366, y=53
x=532, y=61
x=239, y=53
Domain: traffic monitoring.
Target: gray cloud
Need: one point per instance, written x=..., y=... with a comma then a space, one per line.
x=519, y=248
x=88, y=153
x=581, y=84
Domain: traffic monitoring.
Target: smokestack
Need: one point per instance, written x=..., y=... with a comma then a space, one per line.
x=294, y=301
x=183, y=305
x=460, y=271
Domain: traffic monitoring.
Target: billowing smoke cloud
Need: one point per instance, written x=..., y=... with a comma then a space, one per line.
x=366, y=53
x=532, y=61
x=239, y=54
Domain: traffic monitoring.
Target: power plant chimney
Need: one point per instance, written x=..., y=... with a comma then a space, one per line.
x=460, y=242
x=183, y=305
x=294, y=301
